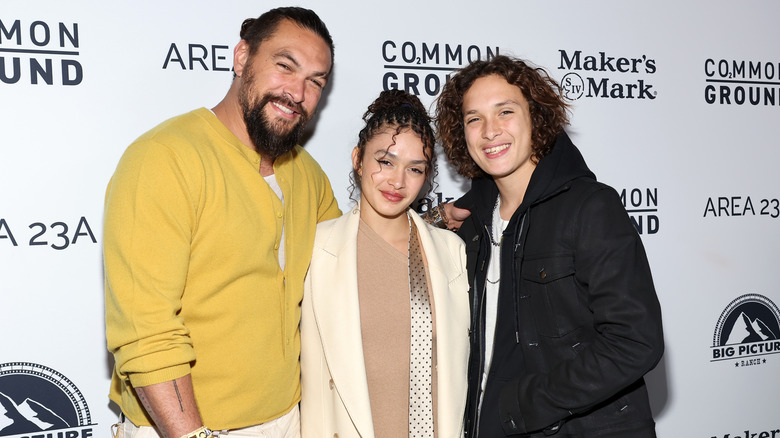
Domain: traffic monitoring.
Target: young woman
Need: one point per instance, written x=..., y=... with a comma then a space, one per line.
x=384, y=325
x=565, y=319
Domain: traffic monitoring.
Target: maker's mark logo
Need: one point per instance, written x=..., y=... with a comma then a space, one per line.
x=37, y=401
x=572, y=86
x=748, y=329
x=607, y=76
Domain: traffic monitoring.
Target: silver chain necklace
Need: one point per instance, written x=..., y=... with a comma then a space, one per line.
x=495, y=228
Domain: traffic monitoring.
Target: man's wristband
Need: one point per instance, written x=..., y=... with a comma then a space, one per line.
x=443, y=214
x=201, y=432
x=436, y=216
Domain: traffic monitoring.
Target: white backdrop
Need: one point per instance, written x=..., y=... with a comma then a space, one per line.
x=662, y=109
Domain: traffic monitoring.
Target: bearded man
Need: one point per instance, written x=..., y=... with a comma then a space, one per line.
x=209, y=226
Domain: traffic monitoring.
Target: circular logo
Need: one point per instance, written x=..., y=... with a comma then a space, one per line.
x=34, y=398
x=749, y=318
x=573, y=86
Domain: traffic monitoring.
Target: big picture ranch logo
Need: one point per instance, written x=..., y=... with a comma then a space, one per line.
x=747, y=331
x=39, y=402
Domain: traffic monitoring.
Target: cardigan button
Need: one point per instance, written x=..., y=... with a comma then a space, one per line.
x=331, y=384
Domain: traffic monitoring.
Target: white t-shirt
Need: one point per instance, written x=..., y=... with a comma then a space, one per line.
x=271, y=180
x=492, y=283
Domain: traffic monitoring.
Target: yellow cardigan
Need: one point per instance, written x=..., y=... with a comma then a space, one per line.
x=193, y=284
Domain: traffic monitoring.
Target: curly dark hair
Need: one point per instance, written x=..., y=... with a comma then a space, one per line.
x=549, y=112
x=399, y=110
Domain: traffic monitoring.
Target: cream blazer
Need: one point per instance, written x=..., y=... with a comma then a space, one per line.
x=334, y=387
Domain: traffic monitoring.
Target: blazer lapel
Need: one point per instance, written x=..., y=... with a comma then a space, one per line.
x=337, y=314
x=452, y=316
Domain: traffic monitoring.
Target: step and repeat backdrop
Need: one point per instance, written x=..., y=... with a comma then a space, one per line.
x=675, y=104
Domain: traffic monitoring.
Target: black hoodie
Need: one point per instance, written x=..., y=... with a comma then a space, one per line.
x=578, y=321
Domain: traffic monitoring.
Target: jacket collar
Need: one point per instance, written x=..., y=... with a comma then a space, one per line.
x=343, y=236
x=337, y=315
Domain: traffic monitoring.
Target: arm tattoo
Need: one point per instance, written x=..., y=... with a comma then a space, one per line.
x=176, y=387
x=145, y=402
x=142, y=399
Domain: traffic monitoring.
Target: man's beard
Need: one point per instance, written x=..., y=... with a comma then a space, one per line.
x=270, y=139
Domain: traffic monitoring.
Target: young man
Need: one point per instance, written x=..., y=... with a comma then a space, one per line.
x=209, y=226
x=565, y=319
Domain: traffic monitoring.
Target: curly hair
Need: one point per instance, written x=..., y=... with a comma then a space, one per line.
x=549, y=112
x=398, y=110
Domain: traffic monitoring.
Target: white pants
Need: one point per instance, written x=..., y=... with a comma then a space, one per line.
x=286, y=426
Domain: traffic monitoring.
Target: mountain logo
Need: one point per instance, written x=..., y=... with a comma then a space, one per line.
x=36, y=400
x=747, y=329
